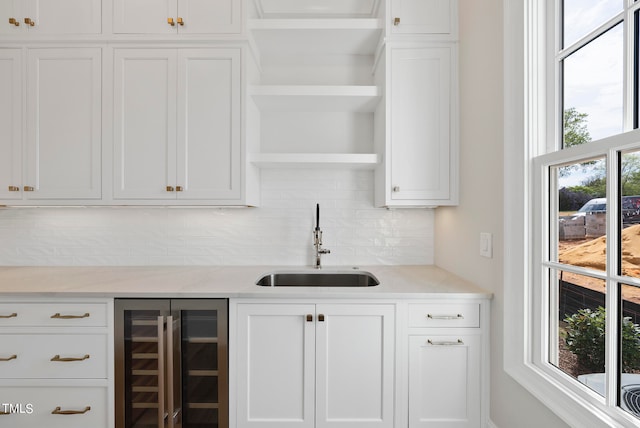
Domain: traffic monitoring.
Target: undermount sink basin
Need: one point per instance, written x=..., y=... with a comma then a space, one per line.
x=318, y=279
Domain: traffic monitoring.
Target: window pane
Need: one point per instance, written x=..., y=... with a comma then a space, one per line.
x=580, y=17
x=592, y=89
x=630, y=212
x=577, y=325
x=630, y=350
x=582, y=214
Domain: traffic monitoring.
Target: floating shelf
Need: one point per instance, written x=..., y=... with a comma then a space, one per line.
x=316, y=36
x=316, y=98
x=315, y=160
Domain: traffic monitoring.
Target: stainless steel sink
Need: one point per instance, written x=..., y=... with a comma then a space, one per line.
x=318, y=279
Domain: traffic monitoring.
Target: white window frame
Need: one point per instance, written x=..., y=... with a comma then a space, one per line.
x=528, y=95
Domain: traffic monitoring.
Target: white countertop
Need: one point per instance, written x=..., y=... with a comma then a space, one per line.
x=226, y=281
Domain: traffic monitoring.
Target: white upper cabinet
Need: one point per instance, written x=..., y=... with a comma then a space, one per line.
x=63, y=140
x=50, y=17
x=62, y=119
x=177, y=125
x=428, y=17
x=11, y=123
x=177, y=16
x=420, y=128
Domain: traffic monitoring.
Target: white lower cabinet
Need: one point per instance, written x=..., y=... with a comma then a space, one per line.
x=314, y=365
x=444, y=381
x=56, y=363
x=54, y=407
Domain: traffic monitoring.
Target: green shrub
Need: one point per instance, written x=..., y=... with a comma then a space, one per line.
x=585, y=337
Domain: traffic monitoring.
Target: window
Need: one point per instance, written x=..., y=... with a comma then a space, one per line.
x=585, y=282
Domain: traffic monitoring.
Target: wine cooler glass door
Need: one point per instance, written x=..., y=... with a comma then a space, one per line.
x=204, y=364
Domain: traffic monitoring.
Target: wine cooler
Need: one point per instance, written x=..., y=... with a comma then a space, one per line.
x=171, y=363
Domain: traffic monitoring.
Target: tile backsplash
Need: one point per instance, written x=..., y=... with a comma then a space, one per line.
x=279, y=232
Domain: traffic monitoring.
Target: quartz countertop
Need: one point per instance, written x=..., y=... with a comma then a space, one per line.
x=226, y=281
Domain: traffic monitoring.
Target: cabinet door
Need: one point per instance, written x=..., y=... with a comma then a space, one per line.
x=206, y=16
x=11, y=124
x=275, y=367
x=355, y=366
x=208, y=151
x=197, y=16
x=444, y=381
x=64, y=16
x=144, y=123
x=64, y=110
x=419, y=125
x=423, y=16
x=11, y=10
x=144, y=16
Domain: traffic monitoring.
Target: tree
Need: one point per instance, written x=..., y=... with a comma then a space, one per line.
x=575, y=132
x=575, y=128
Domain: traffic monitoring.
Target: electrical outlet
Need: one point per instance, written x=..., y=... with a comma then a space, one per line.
x=486, y=244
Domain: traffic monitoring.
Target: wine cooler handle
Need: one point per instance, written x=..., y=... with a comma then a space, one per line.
x=169, y=349
x=161, y=378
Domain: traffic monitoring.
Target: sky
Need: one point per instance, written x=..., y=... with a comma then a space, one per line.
x=593, y=75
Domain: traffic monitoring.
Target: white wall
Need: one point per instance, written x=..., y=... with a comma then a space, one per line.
x=277, y=233
x=481, y=199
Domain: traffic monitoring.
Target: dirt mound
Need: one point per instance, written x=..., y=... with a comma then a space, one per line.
x=593, y=254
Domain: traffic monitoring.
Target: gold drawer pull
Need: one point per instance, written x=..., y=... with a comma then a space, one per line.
x=14, y=21
x=180, y=21
x=13, y=357
x=29, y=21
x=69, y=359
x=29, y=189
x=396, y=21
x=14, y=189
x=68, y=317
x=170, y=189
x=170, y=22
x=179, y=188
x=13, y=315
x=445, y=317
x=445, y=342
x=59, y=411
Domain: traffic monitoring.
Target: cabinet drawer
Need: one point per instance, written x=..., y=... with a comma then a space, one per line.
x=28, y=407
x=53, y=315
x=59, y=356
x=444, y=315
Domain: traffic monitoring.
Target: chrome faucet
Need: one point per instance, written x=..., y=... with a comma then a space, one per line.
x=317, y=240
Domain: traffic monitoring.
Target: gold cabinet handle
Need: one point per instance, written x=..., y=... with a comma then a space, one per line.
x=179, y=188
x=57, y=358
x=309, y=318
x=180, y=21
x=29, y=188
x=29, y=21
x=14, y=21
x=14, y=189
x=59, y=411
x=321, y=317
x=13, y=315
x=69, y=317
x=396, y=21
x=170, y=189
x=170, y=22
x=13, y=357
x=396, y=189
